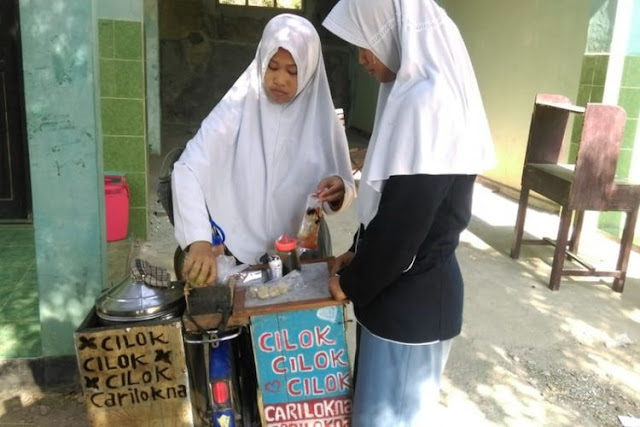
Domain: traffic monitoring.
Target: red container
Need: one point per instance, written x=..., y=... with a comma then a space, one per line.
x=116, y=203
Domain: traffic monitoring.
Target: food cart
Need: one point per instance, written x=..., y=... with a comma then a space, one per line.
x=131, y=355
x=231, y=356
x=298, y=373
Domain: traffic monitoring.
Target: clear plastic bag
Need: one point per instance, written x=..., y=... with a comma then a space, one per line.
x=251, y=277
x=308, y=233
x=227, y=267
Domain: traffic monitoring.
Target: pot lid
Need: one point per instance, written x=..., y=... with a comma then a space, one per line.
x=134, y=299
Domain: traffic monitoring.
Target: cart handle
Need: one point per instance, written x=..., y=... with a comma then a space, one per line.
x=214, y=338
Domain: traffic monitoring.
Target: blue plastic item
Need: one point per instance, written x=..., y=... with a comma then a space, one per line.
x=220, y=379
x=218, y=236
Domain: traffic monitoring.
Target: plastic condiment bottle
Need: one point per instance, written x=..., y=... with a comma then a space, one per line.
x=287, y=249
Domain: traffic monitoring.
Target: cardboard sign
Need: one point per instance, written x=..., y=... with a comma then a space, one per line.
x=303, y=367
x=134, y=376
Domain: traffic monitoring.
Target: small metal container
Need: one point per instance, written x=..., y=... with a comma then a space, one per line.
x=275, y=267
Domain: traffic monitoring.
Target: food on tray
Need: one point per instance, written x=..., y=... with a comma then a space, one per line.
x=268, y=291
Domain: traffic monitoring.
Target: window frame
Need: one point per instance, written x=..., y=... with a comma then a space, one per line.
x=271, y=8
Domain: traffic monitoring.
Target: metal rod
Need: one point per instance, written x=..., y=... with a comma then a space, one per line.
x=215, y=339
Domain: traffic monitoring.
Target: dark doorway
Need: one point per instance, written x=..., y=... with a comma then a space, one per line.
x=14, y=170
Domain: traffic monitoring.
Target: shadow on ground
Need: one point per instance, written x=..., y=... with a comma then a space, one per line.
x=531, y=356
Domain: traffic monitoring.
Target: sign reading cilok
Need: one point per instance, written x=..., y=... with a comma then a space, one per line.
x=303, y=367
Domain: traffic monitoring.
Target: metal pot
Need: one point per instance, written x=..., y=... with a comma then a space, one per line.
x=135, y=301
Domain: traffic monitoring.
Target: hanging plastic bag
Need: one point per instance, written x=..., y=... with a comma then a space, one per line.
x=308, y=233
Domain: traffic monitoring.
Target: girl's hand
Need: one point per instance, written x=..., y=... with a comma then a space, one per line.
x=331, y=190
x=200, y=266
x=342, y=261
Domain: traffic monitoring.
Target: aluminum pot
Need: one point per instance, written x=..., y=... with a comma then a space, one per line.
x=135, y=301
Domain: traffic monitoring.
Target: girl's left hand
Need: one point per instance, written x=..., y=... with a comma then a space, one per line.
x=331, y=190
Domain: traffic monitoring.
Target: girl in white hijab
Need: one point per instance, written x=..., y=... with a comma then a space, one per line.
x=430, y=139
x=272, y=140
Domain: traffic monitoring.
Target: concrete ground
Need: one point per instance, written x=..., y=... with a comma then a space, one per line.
x=530, y=356
x=527, y=356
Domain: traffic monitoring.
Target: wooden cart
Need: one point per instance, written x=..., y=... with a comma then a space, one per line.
x=301, y=358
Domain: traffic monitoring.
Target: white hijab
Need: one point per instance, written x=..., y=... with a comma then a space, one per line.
x=253, y=162
x=430, y=120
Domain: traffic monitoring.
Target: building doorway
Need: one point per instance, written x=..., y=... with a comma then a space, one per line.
x=14, y=165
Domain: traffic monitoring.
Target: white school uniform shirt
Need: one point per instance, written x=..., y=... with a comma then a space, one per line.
x=431, y=119
x=253, y=162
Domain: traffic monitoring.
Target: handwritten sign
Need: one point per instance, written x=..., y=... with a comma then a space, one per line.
x=303, y=367
x=134, y=376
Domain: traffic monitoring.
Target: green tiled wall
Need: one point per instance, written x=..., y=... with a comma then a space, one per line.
x=629, y=99
x=591, y=89
x=19, y=299
x=122, y=96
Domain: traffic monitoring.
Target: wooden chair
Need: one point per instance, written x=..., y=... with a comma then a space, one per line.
x=357, y=156
x=589, y=184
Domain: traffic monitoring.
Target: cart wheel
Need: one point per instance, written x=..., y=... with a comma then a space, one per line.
x=178, y=262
